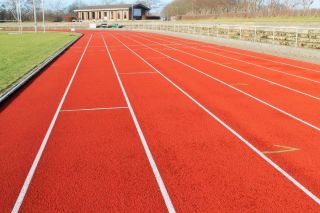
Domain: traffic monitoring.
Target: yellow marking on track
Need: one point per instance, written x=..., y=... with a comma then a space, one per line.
x=285, y=149
x=240, y=84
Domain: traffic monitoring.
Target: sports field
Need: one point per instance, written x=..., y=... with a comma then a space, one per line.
x=19, y=53
x=141, y=122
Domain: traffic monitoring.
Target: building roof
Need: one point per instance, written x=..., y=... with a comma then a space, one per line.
x=112, y=6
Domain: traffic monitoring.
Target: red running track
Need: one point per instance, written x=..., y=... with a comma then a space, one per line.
x=127, y=121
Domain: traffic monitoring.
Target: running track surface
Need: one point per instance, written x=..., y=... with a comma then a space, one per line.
x=141, y=122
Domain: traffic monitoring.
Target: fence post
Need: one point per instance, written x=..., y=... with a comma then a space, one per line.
x=297, y=37
x=212, y=30
x=255, y=33
x=273, y=35
x=217, y=31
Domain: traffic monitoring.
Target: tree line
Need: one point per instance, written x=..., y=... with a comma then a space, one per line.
x=240, y=8
x=56, y=10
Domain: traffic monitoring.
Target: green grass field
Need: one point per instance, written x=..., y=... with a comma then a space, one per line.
x=19, y=53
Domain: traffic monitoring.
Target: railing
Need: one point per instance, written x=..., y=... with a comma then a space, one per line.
x=288, y=36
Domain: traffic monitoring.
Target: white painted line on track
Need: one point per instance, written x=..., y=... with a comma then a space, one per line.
x=278, y=62
x=230, y=129
x=33, y=168
x=240, y=71
x=247, y=62
x=239, y=90
x=209, y=45
x=92, y=109
x=153, y=165
x=136, y=73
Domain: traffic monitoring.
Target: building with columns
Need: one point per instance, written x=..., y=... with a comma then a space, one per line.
x=113, y=12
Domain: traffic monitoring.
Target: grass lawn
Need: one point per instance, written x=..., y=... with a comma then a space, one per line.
x=19, y=53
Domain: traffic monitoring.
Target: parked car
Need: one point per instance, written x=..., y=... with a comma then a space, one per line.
x=116, y=26
x=103, y=26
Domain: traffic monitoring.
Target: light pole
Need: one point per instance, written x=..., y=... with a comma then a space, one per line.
x=43, y=21
x=20, y=17
x=132, y=11
x=35, y=16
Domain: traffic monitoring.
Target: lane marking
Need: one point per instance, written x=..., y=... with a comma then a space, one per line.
x=278, y=62
x=208, y=45
x=247, y=62
x=285, y=149
x=240, y=84
x=238, y=70
x=135, y=73
x=160, y=57
x=240, y=91
x=92, y=109
x=230, y=129
x=33, y=168
x=261, y=66
x=153, y=165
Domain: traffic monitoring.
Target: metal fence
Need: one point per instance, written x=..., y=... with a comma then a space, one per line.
x=288, y=36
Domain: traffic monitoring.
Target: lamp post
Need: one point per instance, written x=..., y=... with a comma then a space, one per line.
x=43, y=21
x=35, y=16
x=132, y=11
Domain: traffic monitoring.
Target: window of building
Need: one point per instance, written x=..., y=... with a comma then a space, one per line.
x=105, y=14
x=125, y=15
x=118, y=15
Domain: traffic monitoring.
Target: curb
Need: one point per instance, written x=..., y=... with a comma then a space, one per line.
x=34, y=72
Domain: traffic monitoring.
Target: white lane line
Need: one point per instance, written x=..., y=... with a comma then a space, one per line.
x=238, y=53
x=240, y=91
x=92, y=109
x=247, y=62
x=136, y=73
x=240, y=71
x=153, y=165
x=230, y=129
x=278, y=62
x=33, y=168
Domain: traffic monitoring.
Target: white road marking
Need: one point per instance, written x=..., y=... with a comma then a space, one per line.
x=153, y=165
x=230, y=129
x=92, y=109
x=33, y=168
x=239, y=90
